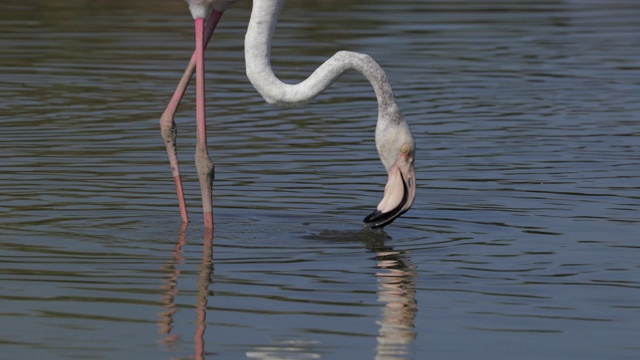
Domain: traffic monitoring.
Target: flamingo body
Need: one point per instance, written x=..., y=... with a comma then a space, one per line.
x=394, y=141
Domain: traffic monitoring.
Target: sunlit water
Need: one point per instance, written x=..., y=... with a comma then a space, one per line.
x=522, y=243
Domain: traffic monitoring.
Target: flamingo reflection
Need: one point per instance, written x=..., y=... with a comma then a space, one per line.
x=395, y=282
x=169, y=288
x=397, y=290
x=170, y=291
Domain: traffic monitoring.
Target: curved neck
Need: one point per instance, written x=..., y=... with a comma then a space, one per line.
x=262, y=23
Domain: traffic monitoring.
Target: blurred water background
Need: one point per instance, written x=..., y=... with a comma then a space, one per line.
x=522, y=243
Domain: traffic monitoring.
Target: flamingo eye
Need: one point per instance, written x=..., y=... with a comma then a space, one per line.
x=404, y=149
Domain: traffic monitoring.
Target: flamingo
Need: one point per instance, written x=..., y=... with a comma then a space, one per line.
x=393, y=138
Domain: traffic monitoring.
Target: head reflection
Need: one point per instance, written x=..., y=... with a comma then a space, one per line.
x=397, y=291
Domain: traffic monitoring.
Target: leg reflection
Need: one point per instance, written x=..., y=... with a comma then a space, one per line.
x=204, y=279
x=170, y=292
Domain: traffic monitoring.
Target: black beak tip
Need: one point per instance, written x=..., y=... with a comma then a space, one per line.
x=377, y=219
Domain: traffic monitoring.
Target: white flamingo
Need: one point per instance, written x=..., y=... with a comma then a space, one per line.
x=394, y=140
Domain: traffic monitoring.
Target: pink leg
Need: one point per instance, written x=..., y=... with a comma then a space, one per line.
x=204, y=165
x=167, y=123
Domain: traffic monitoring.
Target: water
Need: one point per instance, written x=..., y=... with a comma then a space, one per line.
x=522, y=242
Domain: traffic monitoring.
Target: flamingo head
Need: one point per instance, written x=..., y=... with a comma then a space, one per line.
x=396, y=148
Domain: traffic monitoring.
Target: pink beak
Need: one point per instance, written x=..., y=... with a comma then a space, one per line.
x=399, y=194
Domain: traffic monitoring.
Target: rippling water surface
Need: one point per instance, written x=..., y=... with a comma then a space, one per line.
x=522, y=243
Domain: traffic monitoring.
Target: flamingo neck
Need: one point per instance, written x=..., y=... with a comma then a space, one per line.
x=262, y=23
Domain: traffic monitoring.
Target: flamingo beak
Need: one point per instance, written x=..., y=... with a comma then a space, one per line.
x=399, y=194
